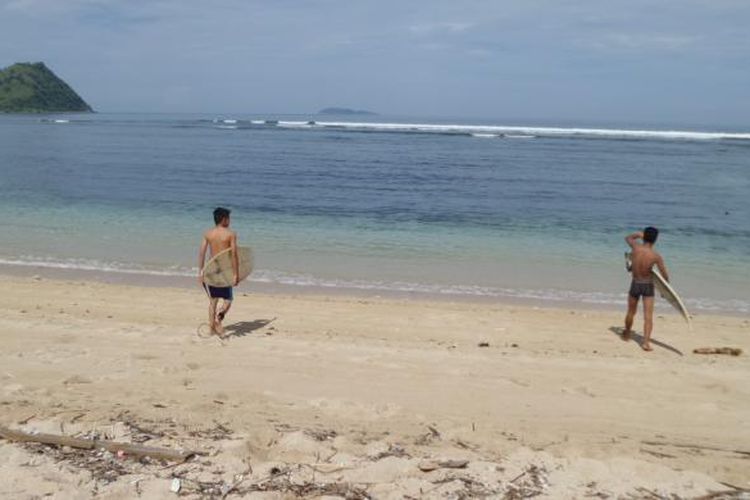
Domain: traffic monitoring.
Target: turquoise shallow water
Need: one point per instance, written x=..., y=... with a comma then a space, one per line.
x=465, y=210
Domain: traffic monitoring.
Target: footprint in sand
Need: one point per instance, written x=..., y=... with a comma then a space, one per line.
x=522, y=383
x=11, y=389
x=144, y=356
x=65, y=338
x=717, y=387
x=585, y=391
x=76, y=380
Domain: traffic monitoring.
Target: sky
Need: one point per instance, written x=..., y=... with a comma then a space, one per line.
x=655, y=61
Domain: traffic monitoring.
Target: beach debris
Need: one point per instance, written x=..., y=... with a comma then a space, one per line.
x=483, y=344
x=731, y=351
x=176, y=485
x=529, y=483
x=393, y=450
x=428, y=437
x=280, y=480
x=134, y=450
x=218, y=432
x=26, y=420
x=321, y=434
x=472, y=488
x=735, y=494
x=140, y=434
x=431, y=465
x=463, y=444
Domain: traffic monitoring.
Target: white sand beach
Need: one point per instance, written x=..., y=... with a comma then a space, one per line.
x=314, y=396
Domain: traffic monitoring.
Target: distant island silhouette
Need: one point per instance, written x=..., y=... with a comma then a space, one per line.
x=345, y=111
x=34, y=88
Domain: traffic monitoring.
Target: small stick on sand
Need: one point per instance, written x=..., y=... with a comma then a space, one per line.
x=26, y=420
x=732, y=351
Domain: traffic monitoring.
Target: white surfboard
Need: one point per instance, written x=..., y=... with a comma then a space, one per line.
x=218, y=270
x=665, y=290
x=670, y=294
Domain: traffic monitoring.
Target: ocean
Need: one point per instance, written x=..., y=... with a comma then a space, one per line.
x=488, y=210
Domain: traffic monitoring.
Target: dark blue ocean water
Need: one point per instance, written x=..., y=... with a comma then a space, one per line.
x=401, y=205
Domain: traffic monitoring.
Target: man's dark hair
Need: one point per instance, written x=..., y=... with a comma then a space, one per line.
x=650, y=234
x=220, y=214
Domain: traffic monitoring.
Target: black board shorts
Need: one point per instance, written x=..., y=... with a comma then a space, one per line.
x=220, y=292
x=641, y=289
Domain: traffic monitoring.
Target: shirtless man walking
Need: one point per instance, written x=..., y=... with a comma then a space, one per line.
x=218, y=239
x=643, y=258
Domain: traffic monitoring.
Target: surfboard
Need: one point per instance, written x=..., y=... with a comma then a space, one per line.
x=218, y=270
x=666, y=290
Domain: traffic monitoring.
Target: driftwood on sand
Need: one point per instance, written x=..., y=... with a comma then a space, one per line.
x=431, y=465
x=129, y=449
x=732, y=351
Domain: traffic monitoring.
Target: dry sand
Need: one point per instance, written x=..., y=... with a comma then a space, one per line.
x=343, y=396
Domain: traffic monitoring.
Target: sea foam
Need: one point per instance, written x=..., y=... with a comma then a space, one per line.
x=266, y=276
x=521, y=132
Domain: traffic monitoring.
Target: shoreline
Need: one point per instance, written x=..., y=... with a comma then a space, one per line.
x=384, y=384
x=250, y=286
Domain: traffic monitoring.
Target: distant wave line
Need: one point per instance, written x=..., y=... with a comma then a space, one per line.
x=504, y=131
x=491, y=131
x=532, y=131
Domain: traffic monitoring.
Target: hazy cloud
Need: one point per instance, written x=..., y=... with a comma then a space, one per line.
x=443, y=27
x=646, y=41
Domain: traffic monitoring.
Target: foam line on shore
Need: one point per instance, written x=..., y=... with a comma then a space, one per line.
x=266, y=276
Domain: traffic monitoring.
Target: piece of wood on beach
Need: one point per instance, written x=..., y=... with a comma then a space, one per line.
x=431, y=465
x=731, y=351
x=95, y=444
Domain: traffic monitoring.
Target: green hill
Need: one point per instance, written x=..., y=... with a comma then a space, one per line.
x=33, y=88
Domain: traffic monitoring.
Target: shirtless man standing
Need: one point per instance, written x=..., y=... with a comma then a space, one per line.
x=643, y=258
x=219, y=239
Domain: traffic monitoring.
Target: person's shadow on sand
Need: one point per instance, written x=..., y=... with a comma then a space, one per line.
x=618, y=330
x=244, y=328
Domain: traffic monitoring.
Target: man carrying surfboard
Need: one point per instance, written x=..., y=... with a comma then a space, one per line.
x=220, y=238
x=643, y=259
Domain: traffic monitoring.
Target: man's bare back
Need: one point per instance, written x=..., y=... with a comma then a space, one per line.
x=643, y=259
x=219, y=239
